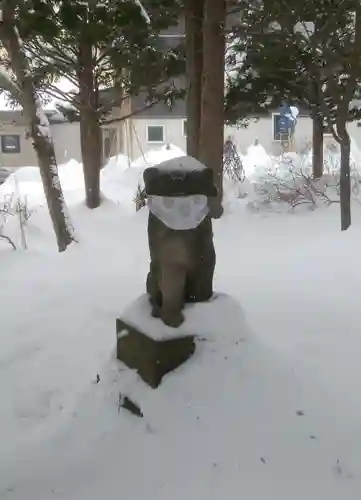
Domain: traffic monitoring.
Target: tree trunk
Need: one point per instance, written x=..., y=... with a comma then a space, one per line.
x=91, y=152
x=212, y=107
x=345, y=182
x=23, y=90
x=317, y=147
x=90, y=129
x=194, y=62
x=44, y=148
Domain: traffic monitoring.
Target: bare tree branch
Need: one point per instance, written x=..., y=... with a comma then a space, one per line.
x=9, y=240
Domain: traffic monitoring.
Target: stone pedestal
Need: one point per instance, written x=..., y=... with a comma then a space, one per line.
x=151, y=358
x=153, y=349
x=145, y=344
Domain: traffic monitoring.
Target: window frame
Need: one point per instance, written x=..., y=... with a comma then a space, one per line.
x=184, y=127
x=155, y=126
x=274, y=129
x=17, y=150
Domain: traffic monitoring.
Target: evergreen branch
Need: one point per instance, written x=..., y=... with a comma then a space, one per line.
x=8, y=84
x=54, y=92
x=131, y=114
x=40, y=50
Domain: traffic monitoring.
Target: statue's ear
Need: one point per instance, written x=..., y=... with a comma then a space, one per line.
x=150, y=175
x=211, y=188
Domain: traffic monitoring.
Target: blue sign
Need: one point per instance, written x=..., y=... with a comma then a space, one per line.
x=287, y=120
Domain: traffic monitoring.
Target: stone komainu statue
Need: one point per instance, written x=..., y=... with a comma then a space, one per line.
x=182, y=255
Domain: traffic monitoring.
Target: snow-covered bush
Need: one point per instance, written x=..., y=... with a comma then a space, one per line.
x=232, y=163
x=140, y=198
x=5, y=213
x=274, y=181
x=14, y=213
x=289, y=180
x=297, y=188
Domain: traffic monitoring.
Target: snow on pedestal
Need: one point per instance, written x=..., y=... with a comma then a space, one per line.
x=144, y=343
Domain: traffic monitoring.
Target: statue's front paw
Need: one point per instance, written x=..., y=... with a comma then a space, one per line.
x=156, y=311
x=173, y=320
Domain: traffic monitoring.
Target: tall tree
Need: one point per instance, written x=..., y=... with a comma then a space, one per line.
x=316, y=48
x=212, y=106
x=266, y=71
x=98, y=45
x=194, y=63
x=205, y=42
x=17, y=80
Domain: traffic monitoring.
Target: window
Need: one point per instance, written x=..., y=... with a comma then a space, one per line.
x=279, y=127
x=110, y=146
x=10, y=143
x=155, y=133
x=184, y=128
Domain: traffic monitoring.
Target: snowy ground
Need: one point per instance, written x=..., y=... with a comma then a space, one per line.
x=269, y=407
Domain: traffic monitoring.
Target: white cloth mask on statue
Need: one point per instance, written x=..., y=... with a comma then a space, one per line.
x=179, y=212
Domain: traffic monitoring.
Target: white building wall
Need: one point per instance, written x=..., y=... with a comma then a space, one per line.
x=26, y=156
x=131, y=138
x=138, y=143
x=66, y=137
x=261, y=129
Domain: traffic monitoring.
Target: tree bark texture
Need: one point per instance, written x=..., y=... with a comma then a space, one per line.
x=44, y=148
x=90, y=129
x=39, y=129
x=194, y=63
x=91, y=151
x=341, y=126
x=317, y=147
x=345, y=183
x=212, y=106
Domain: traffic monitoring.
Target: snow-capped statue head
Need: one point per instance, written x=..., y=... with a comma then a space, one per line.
x=188, y=183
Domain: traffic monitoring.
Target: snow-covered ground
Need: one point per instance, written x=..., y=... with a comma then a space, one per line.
x=269, y=407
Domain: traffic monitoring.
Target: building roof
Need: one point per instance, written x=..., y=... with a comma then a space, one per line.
x=16, y=117
x=159, y=110
x=178, y=110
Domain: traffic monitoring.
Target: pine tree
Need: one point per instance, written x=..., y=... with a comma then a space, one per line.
x=96, y=46
x=205, y=46
x=17, y=80
x=308, y=52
